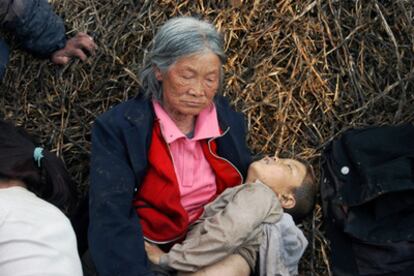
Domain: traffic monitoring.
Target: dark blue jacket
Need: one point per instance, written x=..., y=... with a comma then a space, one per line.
x=34, y=25
x=121, y=138
x=367, y=194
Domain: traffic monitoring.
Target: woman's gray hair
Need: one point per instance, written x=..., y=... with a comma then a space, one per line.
x=177, y=38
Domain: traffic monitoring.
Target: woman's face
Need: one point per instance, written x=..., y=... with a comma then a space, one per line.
x=190, y=84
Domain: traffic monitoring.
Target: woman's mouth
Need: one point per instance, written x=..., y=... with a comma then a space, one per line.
x=193, y=104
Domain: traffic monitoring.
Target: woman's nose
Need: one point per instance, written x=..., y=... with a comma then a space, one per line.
x=196, y=89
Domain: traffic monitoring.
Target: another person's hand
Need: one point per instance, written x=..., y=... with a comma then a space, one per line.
x=78, y=46
x=154, y=253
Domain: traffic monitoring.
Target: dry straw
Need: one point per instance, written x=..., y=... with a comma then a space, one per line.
x=301, y=71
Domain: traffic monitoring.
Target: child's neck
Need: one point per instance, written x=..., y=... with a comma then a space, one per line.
x=4, y=184
x=250, y=179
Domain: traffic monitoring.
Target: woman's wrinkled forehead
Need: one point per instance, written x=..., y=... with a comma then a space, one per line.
x=193, y=57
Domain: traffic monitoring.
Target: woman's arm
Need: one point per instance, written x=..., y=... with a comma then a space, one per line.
x=115, y=235
x=34, y=24
x=42, y=32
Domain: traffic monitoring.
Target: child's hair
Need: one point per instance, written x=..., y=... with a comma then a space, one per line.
x=50, y=181
x=305, y=195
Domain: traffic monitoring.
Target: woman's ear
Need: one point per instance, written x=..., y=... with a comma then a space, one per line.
x=287, y=201
x=157, y=72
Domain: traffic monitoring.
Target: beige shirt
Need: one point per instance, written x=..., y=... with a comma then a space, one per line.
x=232, y=221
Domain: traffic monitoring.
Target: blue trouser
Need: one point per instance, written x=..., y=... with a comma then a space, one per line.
x=4, y=57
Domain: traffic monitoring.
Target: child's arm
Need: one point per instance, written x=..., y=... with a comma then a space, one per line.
x=220, y=235
x=154, y=253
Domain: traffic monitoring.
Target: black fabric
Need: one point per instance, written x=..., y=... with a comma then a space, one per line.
x=34, y=24
x=39, y=29
x=88, y=267
x=375, y=258
x=4, y=57
x=367, y=192
x=80, y=221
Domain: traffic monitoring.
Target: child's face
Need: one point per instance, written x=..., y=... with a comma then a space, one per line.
x=280, y=174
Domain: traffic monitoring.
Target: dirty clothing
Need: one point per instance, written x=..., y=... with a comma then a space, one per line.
x=120, y=141
x=282, y=247
x=34, y=24
x=233, y=220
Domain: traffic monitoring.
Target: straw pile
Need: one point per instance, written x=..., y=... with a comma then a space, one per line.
x=301, y=71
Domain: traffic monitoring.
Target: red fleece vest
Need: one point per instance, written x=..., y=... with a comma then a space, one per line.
x=157, y=202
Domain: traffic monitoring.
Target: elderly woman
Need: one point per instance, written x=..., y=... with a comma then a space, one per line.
x=159, y=158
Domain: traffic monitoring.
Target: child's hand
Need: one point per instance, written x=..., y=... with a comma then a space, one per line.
x=154, y=253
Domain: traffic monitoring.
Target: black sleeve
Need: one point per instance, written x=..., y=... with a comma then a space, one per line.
x=34, y=24
x=115, y=235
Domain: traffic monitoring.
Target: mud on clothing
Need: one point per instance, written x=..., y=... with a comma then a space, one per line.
x=233, y=220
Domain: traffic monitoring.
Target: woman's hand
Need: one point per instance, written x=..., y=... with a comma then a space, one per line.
x=154, y=253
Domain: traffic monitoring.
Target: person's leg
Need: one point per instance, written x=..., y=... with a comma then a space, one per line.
x=233, y=265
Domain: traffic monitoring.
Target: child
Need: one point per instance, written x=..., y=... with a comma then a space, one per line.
x=35, y=236
x=233, y=222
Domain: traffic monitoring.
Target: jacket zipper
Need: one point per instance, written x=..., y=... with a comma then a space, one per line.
x=172, y=160
x=215, y=155
x=181, y=235
x=224, y=159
